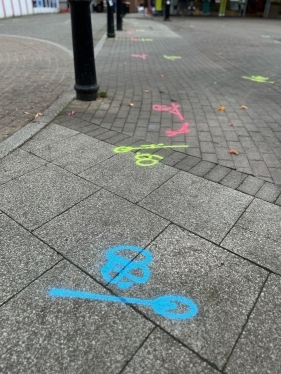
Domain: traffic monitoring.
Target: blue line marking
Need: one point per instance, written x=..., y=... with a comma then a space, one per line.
x=165, y=305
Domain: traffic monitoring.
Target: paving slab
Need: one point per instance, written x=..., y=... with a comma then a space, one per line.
x=85, y=232
x=258, y=350
x=40, y=195
x=54, y=150
x=84, y=157
x=122, y=176
x=161, y=354
x=223, y=286
x=198, y=205
x=257, y=235
x=18, y=163
x=41, y=334
x=23, y=258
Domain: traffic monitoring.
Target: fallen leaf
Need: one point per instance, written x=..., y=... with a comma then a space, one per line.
x=71, y=113
x=146, y=90
x=221, y=107
x=233, y=152
x=231, y=124
x=243, y=107
x=38, y=115
x=162, y=75
x=131, y=104
x=25, y=112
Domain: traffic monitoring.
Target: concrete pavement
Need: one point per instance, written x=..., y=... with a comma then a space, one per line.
x=126, y=245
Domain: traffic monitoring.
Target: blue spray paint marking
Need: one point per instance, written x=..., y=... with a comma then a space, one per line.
x=122, y=265
x=165, y=305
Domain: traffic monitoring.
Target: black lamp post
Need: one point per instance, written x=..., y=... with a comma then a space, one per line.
x=110, y=19
x=167, y=10
x=83, y=50
x=119, y=12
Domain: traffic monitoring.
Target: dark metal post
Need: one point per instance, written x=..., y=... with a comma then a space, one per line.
x=167, y=10
x=119, y=12
x=110, y=20
x=83, y=50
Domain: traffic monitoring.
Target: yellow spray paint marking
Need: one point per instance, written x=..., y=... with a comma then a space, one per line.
x=172, y=57
x=125, y=149
x=140, y=30
x=258, y=78
x=265, y=36
x=147, y=159
x=146, y=40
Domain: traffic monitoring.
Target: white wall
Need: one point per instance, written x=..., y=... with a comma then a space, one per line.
x=10, y=8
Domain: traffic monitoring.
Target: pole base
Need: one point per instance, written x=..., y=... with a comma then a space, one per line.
x=86, y=93
x=111, y=35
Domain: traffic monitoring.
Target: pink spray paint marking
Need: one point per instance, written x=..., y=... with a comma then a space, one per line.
x=143, y=56
x=183, y=130
x=173, y=109
x=135, y=39
x=129, y=32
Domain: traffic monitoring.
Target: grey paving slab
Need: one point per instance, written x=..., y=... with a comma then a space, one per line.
x=161, y=354
x=100, y=222
x=40, y=195
x=23, y=258
x=41, y=334
x=233, y=179
x=257, y=235
x=202, y=168
x=198, y=205
x=223, y=286
x=51, y=134
x=18, y=163
x=251, y=185
x=217, y=173
x=84, y=157
x=122, y=176
x=259, y=349
x=269, y=192
x=59, y=149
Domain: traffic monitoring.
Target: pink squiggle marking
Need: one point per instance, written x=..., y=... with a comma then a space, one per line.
x=183, y=130
x=135, y=39
x=143, y=56
x=129, y=32
x=173, y=109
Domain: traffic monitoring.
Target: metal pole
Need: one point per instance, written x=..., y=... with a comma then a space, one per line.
x=83, y=50
x=110, y=20
x=167, y=10
x=119, y=12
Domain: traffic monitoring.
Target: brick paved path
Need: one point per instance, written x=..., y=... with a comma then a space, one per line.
x=34, y=74
x=209, y=74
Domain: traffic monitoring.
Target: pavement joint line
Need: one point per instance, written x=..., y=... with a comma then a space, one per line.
x=246, y=322
x=30, y=283
x=28, y=131
x=238, y=218
x=139, y=347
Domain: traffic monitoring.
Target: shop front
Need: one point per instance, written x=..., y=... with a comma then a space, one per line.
x=221, y=8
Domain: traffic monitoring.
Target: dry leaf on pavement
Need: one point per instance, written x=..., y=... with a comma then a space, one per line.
x=231, y=124
x=38, y=115
x=131, y=104
x=233, y=152
x=25, y=112
x=243, y=107
x=221, y=107
x=71, y=113
x=146, y=90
